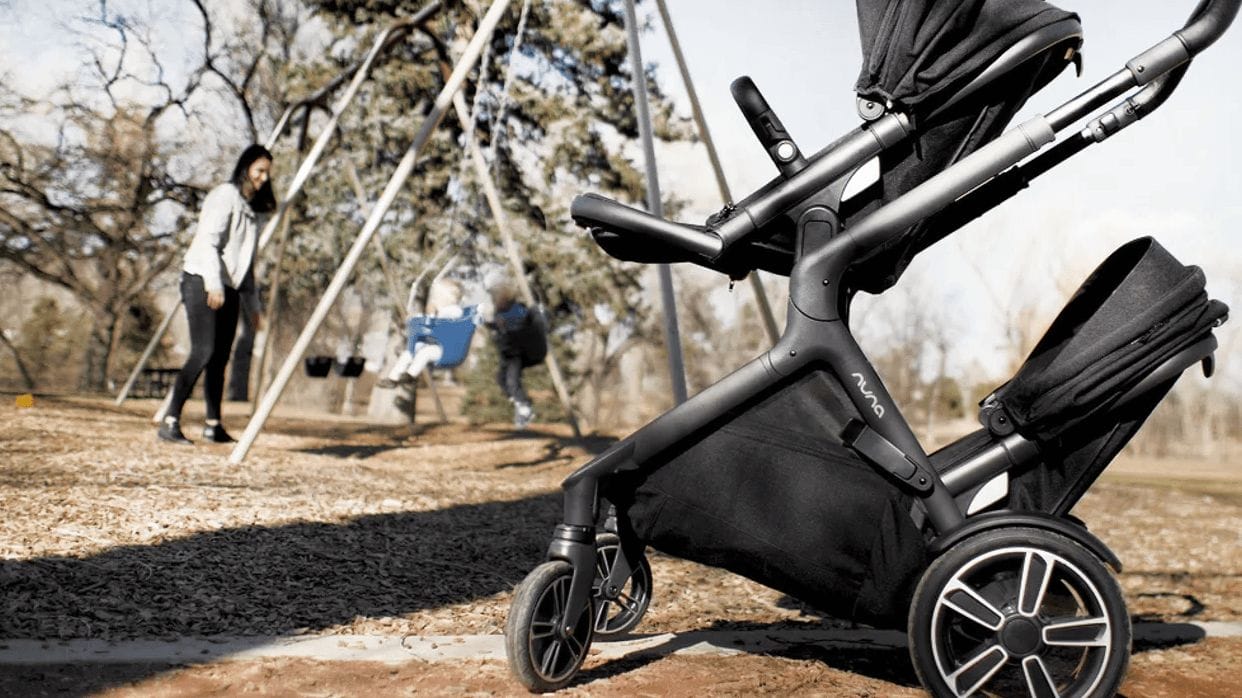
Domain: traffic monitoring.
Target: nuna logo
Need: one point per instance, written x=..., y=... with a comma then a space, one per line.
x=875, y=402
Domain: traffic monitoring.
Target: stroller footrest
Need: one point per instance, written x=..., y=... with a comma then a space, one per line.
x=881, y=453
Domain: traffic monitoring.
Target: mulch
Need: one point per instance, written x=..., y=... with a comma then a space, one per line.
x=338, y=526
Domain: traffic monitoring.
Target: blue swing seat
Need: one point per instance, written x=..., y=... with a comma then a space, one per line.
x=452, y=334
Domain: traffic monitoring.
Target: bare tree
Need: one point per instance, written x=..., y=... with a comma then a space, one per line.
x=101, y=207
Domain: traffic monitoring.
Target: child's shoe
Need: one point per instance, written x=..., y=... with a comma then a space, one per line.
x=388, y=384
x=523, y=415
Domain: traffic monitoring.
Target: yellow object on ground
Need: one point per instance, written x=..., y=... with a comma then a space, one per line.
x=25, y=401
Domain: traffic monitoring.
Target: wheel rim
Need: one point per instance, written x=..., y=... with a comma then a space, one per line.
x=1021, y=621
x=555, y=654
x=615, y=615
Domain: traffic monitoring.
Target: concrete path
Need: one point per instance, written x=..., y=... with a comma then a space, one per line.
x=395, y=649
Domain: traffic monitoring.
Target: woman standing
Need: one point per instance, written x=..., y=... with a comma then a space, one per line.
x=218, y=269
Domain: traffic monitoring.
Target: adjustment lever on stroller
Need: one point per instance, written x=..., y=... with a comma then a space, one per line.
x=771, y=132
x=881, y=453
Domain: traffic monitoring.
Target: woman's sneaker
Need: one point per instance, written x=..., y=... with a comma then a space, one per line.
x=170, y=430
x=216, y=434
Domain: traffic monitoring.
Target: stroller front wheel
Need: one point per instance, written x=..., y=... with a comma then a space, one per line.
x=542, y=655
x=1019, y=612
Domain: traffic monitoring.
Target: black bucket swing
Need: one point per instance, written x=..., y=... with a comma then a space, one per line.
x=319, y=366
x=350, y=367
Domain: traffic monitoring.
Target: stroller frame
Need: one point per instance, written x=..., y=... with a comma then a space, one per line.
x=817, y=331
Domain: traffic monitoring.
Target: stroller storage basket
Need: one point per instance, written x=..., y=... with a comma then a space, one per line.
x=768, y=495
x=1136, y=310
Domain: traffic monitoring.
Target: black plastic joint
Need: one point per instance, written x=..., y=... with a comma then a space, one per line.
x=881, y=453
x=995, y=418
x=1158, y=60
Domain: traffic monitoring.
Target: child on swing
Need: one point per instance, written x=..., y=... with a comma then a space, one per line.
x=521, y=342
x=443, y=301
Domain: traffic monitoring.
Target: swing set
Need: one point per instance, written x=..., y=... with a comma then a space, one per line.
x=453, y=336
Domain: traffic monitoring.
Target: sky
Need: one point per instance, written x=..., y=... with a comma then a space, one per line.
x=1170, y=176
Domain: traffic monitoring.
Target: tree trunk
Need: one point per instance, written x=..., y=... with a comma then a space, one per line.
x=395, y=406
x=98, y=352
x=17, y=359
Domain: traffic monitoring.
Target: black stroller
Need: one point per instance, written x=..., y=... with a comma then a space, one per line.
x=799, y=471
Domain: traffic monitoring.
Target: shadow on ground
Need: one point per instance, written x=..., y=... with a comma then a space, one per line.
x=273, y=581
x=387, y=438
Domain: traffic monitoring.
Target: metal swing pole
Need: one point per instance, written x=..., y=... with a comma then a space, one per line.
x=756, y=284
x=470, y=56
x=672, y=336
x=274, y=284
x=382, y=42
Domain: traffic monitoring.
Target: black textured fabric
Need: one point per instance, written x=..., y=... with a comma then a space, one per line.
x=769, y=493
x=1136, y=310
x=1072, y=462
x=916, y=53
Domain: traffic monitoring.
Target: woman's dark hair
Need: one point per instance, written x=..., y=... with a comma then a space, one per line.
x=263, y=201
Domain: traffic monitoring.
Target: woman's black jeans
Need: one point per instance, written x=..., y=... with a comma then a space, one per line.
x=211, y=340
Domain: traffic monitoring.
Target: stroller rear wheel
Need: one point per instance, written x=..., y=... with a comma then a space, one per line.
x=622, y=609
x=541, y=654
x=1019, y=612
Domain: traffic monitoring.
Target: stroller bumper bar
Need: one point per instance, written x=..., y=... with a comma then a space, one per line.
x=676, y=242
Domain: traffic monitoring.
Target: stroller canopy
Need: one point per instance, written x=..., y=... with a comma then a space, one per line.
x=917, y=50
x=918, y=58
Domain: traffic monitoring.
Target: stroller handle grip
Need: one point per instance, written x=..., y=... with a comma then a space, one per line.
x=1209, y=21
x=598, y=212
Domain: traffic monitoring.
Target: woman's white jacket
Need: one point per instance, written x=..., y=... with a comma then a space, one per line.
x=224, y=245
